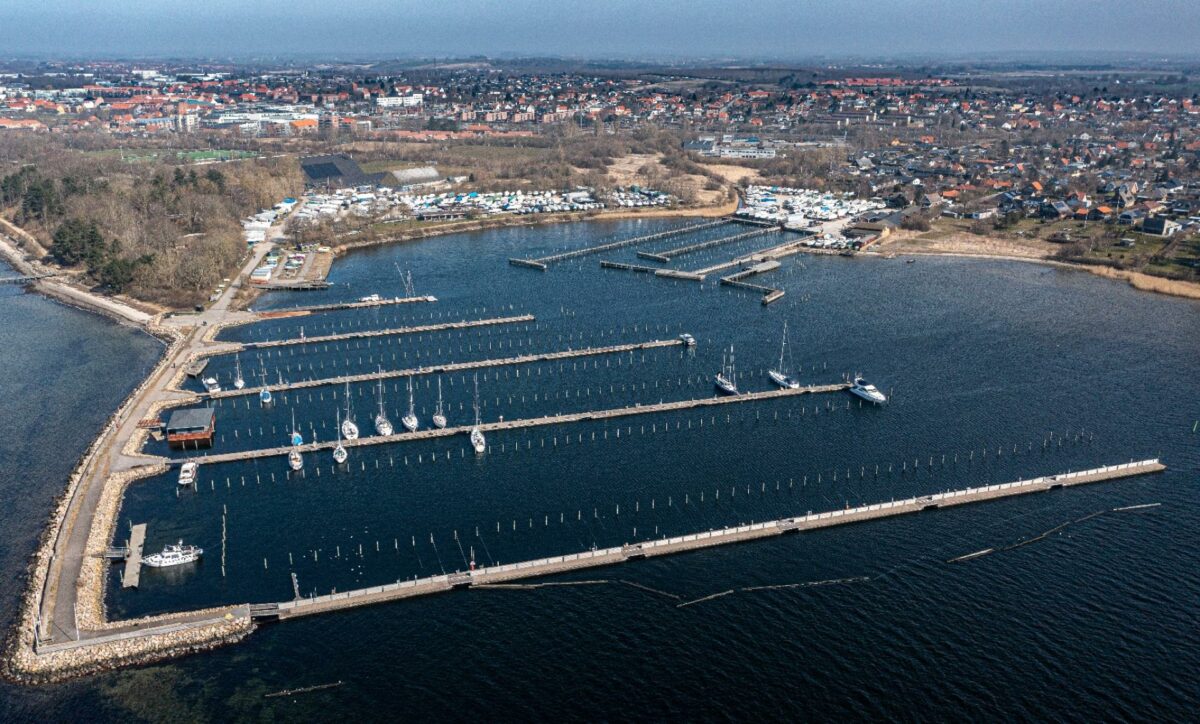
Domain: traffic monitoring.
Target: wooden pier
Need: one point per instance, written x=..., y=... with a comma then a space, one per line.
x=133, y=559
x=572, y=417
x=451, y=367
x=667, y=255
x=656, y=271
x=440, y=327
x=308, y=309
x=491, y=575
x=543, y=262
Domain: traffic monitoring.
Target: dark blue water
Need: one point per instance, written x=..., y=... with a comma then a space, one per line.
x=997, y=371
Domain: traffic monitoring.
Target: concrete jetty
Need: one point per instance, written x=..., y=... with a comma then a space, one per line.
x=452, y=367
x=607, y=414
x=543, y=262
x=394, y=331
x=488, y=575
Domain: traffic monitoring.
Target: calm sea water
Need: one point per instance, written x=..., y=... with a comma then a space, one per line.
x=997, y=371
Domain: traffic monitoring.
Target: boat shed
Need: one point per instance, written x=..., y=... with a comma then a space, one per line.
x=196, y=426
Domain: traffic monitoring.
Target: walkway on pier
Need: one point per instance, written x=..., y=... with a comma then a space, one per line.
x=133, y=563
x=295, y=311
x=452, y=367
x=463, y=324
x=608, y=414
x=488, y=575
x=542, y=262
x=667, y=255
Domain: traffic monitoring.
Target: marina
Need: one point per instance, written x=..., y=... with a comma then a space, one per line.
x=355, y=499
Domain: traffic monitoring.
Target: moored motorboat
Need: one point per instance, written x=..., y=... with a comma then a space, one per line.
x=867, y=391
x=187, y=472
x=175, y=554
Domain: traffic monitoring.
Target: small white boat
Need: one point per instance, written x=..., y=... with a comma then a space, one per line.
x=777, y=375
x=383, y=425
x=478, y=441
x=439, y=415
x=264, y=395
x=295, y=459
x=726, y=379
x=867, y=391
x=348, y=428
x=211, y=384
x=174, y=555
x=369, y=299
x=238, y=381
x=187, y=472
x=410, y=421
x=688, y=340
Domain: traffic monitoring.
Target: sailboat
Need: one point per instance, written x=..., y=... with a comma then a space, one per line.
x=478, y=441
x=339, y=452
x=347, y=426
x=726, y=379
x=264, y=395
x=439, y=415
x=410, y=421
x=295, y=459
x=238, y=381
x=778, y=375
x=297, y=438
x=383, y=425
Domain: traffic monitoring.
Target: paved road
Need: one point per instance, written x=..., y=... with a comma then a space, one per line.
x=60, y=596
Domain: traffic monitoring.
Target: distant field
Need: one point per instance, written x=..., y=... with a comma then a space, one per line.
x=143, y=155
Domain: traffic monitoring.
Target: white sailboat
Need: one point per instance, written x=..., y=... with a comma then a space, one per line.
x=339, y=452
x=347, y=426
x=478, y=441
x=439, y=415
x=383, y=425
x=726, y=379
x=410, y=421
x=297, y=438
x=778, y=375
x=238, y=381
x=264, y=395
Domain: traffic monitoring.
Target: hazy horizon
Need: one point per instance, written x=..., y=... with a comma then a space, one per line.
x=617, y=29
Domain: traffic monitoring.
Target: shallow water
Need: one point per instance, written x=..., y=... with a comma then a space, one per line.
x=1070, y=370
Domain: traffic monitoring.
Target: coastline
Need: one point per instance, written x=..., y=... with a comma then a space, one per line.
x=1137, y=280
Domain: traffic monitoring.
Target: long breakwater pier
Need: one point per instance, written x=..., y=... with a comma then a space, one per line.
x=395, y=331
x=485, y=576
x=543, y=262
x=560, y=419
x=453, y=367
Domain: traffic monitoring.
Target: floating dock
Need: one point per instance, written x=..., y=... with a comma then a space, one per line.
x=308, y=309
x=543, y=262
x=451, y=367
x=442, y=326
x=667, y=255
x=133, y=558
x=488, y=575
x=609, y=414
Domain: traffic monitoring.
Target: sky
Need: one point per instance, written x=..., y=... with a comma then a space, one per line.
x=632, y=29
